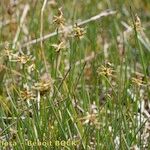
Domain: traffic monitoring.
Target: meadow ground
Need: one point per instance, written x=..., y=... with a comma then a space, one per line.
x=75, y=74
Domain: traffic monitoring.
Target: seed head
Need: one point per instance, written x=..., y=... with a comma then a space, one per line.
x=137, y=81
x=90, y=118
x=23, y=59
x=106, y=71
x=59, y=47
x=27, y=95
x=59, y=20
x=43, y=86
x=78, y=32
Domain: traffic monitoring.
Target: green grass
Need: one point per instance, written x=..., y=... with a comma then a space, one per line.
x=94, y=93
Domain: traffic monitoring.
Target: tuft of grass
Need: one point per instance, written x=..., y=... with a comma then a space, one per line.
x=74, y=75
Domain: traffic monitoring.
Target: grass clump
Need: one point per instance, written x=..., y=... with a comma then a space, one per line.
x=74, y=75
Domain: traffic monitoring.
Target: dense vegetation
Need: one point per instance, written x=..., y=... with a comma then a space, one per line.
x=75, y=74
